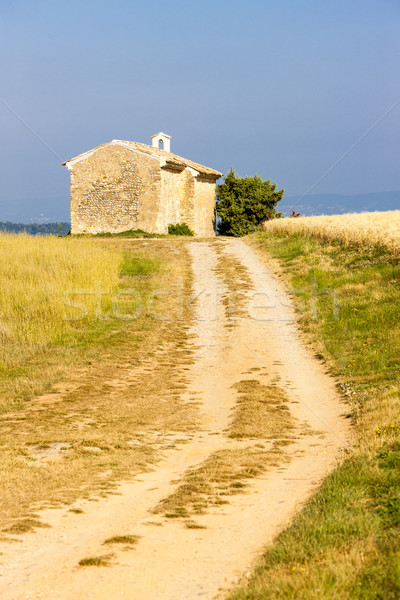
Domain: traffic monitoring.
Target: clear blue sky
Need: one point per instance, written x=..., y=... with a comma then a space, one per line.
x=281, y=89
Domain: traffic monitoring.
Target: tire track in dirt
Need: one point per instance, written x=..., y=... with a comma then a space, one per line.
x=171, y=561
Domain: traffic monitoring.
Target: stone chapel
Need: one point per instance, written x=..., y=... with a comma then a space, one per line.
x=124, y=185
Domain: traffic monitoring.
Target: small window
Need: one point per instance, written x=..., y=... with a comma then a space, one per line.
x=161, y=144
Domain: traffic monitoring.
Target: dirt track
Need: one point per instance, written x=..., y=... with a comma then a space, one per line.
x=171, y=561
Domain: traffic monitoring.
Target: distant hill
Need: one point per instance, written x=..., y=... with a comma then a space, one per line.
x=35, y=228
x=336, y=204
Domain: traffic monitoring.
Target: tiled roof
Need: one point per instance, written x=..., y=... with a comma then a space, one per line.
x=169, y=158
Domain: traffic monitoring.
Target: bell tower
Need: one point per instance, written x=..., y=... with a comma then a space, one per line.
x=162, y=141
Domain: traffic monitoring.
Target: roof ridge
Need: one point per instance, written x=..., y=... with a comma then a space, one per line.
x=153, y=151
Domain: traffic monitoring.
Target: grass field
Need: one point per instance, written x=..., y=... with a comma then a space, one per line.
x=360, y=229
x=346, y=542
x=82, y=406
x=39, y=277
x=65, y=431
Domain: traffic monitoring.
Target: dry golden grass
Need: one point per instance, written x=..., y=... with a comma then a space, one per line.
x=237, y=280
x=261, y=411
x=112, y=412
x=129, y=540
x=38, y=277
x=224, y=473
x=260, y=414
x=369, y=228
x=96, y=561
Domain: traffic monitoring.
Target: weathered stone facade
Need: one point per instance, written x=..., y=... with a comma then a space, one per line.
x=127, y=185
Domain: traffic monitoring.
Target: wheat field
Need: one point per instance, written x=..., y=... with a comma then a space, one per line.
x=39, y=278
x=369, y=228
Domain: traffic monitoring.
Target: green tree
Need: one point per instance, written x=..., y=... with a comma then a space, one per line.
x=243, y=203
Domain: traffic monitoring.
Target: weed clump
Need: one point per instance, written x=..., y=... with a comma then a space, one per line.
x=130, y=540
x=180, y=229
x=96, y=561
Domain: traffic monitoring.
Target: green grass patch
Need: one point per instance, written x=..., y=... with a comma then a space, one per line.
x=345, y=543
x=129, y=233
x=137, y=265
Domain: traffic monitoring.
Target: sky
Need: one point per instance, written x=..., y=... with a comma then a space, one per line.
x=302, y=92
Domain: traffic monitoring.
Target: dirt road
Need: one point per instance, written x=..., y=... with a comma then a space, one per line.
x=170, y=559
